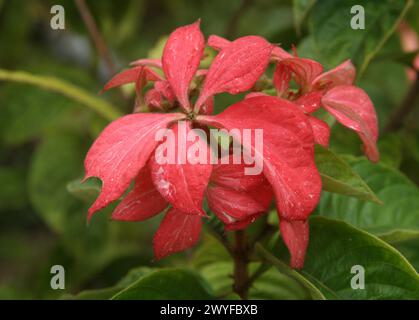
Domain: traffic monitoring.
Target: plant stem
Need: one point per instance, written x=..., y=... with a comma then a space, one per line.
x=400, y=114
x=96, y=36
x=65, y=88
x=241, y=272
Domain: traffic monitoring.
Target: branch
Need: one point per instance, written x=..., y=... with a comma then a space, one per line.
x=97, y=38
x=241, y=272
x=397, y=118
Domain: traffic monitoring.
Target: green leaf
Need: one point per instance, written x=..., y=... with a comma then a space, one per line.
x=292, y=284
x=25, y=117
x=387, y=93
x=410, y=249
x=57, y=160
x=216, y=266
x=167, y=284
x=400, y=208
x=335, y=247
x=69, y=90
x=86, y=191
x=338, y=176
x=107, y=293
x=334, y=39
x=219, y=274
x=13, y=195
x=390, y=147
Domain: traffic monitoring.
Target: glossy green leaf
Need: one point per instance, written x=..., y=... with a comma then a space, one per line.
x=334, y=39
x=336, y=247
x=410, y=249
x=164, y=284
x=338, y=176
x=400, y=208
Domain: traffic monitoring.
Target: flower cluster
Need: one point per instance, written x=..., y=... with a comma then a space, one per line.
x=127, y=150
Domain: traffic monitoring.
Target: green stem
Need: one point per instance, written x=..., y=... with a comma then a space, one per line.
x=69, y=90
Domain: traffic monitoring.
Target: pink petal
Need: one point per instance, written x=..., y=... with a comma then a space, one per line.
x=288, y=153
x=310, y=102
x=255, y=94
x=321, y=131
x=201, y=73
x=230, y=205
x=343, y=74
x=263, y=195
x=177, y=231
x=295, y=235
x=282, y=77
x=218, y=43
x=304, y=71
x=233, y=176
x=181, y=183
x=164, y=88
x=236, y=68
x=181, y=58
x=130, y=76
x=208, y=107
x=352, y=107
x=241, y=224
x=152, y=75
x=143, y=201
x=124, y=77
x=153, y=99
x=120, y=151
x=147, y=62
x=279, y=54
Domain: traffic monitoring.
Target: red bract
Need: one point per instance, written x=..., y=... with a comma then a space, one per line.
x=288, y=158
x=181, y=57
x=132, y=148
x=177, y=232
x=288, y=150
x=226, y=75
x=235, y=198
x=181, y=183
x=334, y=91
x=352, y=107
x=121, y=151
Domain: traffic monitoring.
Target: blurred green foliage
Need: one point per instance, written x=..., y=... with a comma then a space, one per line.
x=44, y=136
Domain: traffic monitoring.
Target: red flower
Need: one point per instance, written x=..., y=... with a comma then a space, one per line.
x=332, y=90
x=127, y=150
x=235, y=198
x=124, y=150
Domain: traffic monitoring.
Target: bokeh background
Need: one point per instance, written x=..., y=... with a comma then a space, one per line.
x=45, y=135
